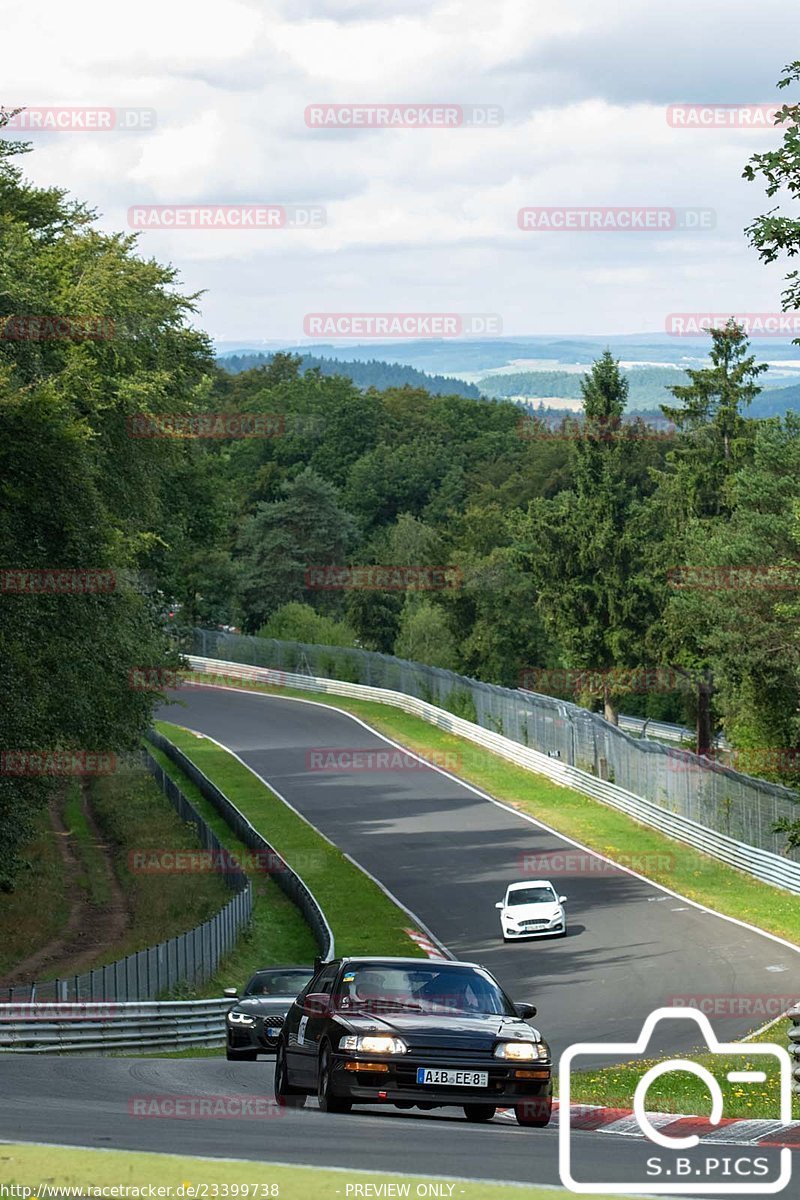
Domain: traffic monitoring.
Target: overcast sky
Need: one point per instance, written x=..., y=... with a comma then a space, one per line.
x=418, y=220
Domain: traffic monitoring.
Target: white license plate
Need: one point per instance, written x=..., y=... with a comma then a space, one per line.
x=273, y=1033
x=451, y=1078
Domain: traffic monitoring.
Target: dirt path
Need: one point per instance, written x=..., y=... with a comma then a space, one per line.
x=90, y=931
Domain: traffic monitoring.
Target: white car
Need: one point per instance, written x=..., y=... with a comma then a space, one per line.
x=532, y=909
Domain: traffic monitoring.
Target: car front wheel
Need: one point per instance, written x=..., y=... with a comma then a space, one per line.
x=327, y=1101
x=479, y=1112
x=534, y=1114
x=285, y=1094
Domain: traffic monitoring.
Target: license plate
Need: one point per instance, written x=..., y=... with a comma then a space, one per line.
x=273, y=1033
x=451, y=1078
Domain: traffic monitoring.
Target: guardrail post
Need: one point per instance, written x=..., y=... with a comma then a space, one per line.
x=794, y=1046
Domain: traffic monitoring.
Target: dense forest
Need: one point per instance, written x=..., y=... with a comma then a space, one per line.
x=607, y=548
x=371, y=374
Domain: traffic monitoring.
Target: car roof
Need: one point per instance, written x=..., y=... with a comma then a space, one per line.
x=411, y=962
x=515, y=887
x=278, y=970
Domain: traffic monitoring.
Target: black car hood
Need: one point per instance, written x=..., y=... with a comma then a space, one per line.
x=263, y=1005
x=428, y=1029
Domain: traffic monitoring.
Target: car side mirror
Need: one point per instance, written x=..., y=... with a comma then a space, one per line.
x=500, y=904
x=562, y=899
x=526, y=1011
x=317, y=1004
x=232, y=992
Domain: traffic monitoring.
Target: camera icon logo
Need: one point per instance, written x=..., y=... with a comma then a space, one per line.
x=672, y=1169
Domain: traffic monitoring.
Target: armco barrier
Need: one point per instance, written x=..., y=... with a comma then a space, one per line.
x=761, y=864
x=287, y=879
x=88, y=1028
x=189, y=958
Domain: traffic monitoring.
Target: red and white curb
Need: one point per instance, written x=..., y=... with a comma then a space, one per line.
x=425, y=943
x=729, y=1131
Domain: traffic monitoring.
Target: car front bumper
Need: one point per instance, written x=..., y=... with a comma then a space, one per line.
x=516, y=934
x=247, y=1038
x=508, y=1083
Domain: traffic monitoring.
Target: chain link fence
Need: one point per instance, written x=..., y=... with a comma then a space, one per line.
x=726, y=801
x=190, y=958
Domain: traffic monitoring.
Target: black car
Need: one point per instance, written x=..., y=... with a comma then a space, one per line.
x=414, y=1033
x=254, y=1022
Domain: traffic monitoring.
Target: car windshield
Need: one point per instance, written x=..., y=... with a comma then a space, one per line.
x=278, y=983
x=424, y=989
x=530, y=895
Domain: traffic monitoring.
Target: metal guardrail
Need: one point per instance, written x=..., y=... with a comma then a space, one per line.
x=761, y=864
x=664, y=731
x=188, y=958
x=87, y=1028
x=287, y=879
x=705, y=790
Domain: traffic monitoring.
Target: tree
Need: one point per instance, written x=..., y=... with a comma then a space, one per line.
x=77, y=492
x=283, y=540
x=296, y=622
x=713, y=423
x=694, y=489
x=588, y=547
x=775, y=236
x=425, y=635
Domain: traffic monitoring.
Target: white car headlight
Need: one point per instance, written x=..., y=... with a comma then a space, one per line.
x=373, y=1044
x=240, y=1018
x=521, y=1051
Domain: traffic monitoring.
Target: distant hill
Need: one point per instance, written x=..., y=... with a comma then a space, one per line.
x=648, y=385
x=371, y=374
x=774, y=402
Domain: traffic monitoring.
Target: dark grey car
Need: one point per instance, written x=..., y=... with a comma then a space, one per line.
x=254, y=1022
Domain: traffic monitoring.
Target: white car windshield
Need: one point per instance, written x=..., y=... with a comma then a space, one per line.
x=531, y=895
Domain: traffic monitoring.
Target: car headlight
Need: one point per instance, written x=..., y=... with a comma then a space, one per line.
x=522, y=1051
x=240, y=1018
x=371, y=1044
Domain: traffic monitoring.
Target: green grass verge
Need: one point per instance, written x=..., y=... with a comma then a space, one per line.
x=37, y=910
x=595, y=825
x=680, y=1092
x=277, y=932
x=362, y=917
x=92, y=876
x=27, y=1166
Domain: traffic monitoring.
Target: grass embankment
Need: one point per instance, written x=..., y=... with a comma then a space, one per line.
x=595, y=825
x=96, y=884
x=680, y=1092
x=29, y=1166
x=37, y=910
x=362, y=917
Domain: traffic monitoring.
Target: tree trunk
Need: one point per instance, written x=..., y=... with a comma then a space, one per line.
x=610, y=709
x=704, y=730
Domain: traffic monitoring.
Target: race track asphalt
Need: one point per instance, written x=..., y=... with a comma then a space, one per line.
x=93, y=1102
x=446, y=852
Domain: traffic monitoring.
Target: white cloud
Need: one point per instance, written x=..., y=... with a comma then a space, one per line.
x=417, y=218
